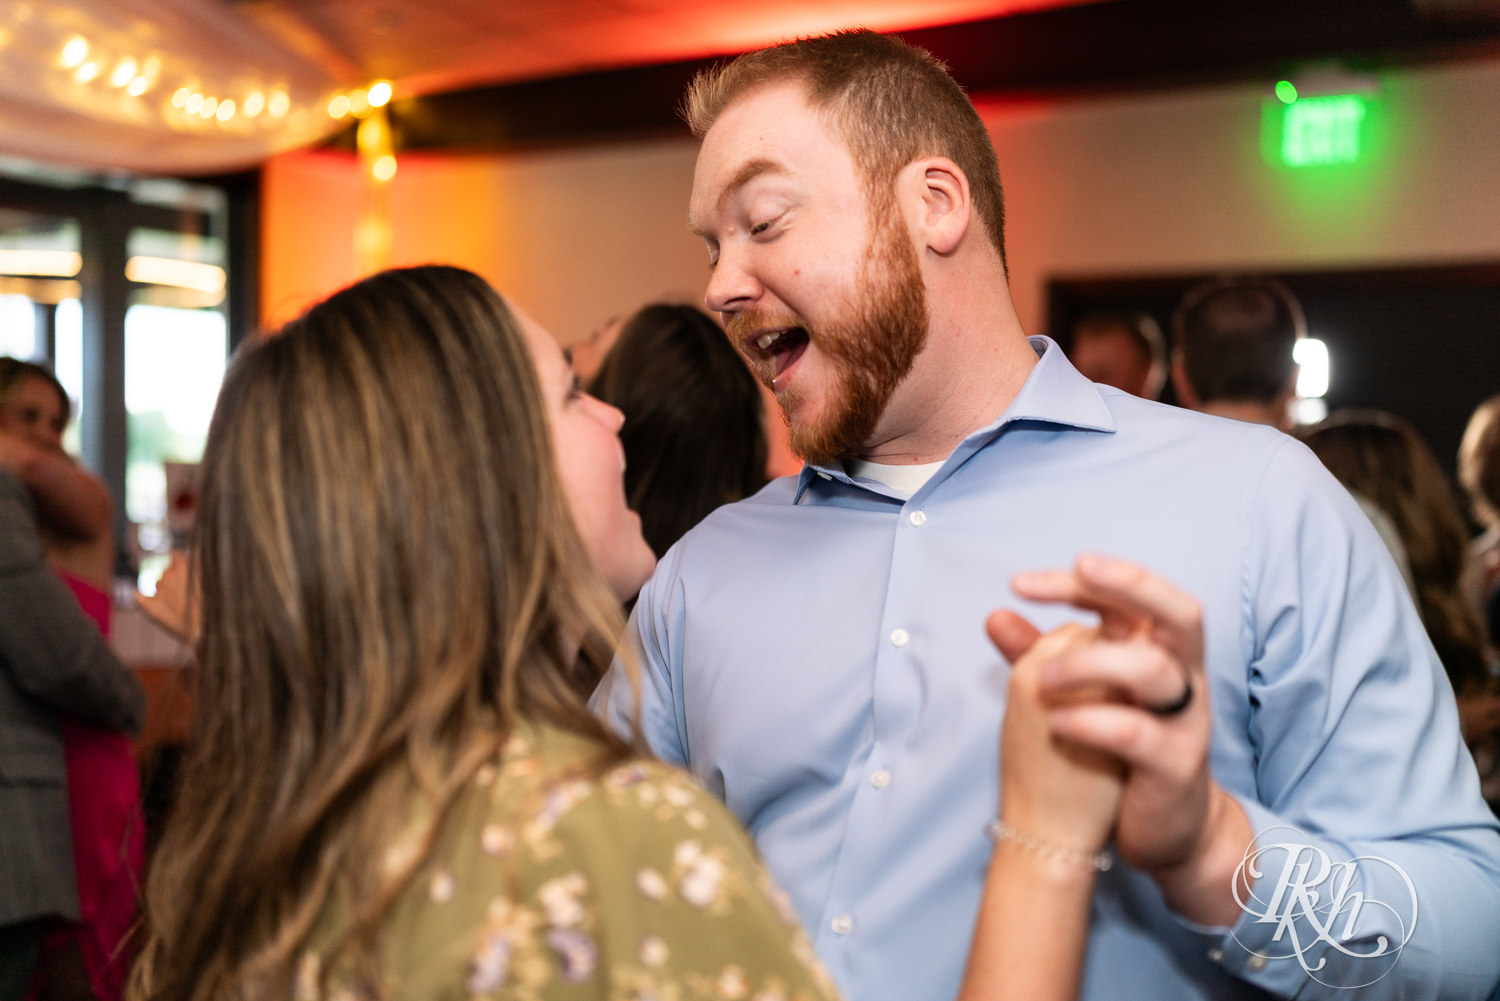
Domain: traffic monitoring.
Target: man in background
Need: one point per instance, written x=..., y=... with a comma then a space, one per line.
x=1232, y=356
x=1121, y=348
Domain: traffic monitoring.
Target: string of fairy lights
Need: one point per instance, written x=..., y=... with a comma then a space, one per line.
x=99, y=65
x=199, y=77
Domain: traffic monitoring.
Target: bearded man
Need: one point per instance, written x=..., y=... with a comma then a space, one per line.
x=817, y=654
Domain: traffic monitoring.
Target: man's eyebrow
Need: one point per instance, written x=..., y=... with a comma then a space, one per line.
x=749, y=171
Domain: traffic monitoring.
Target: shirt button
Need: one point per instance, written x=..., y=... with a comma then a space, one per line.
x=880, y=779
x=1215, y=955
x=899, y=637
x=1255, y=963
x=842, y=925
x=918, y=518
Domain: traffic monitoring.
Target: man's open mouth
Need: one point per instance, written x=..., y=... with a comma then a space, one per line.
x=781, y=347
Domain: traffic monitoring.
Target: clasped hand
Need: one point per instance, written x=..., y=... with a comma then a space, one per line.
x=1097, y=739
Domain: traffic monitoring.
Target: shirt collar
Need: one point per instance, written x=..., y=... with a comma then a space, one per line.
x=1054, y=393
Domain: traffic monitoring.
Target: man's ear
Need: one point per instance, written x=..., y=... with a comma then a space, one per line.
x=944, y=210
x=1186, y=396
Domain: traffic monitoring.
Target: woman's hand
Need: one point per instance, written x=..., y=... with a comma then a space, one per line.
x=16, y=453
x=71, y=502
x=1051, y=789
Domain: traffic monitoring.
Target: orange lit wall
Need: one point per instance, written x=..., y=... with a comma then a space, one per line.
x=573, y=237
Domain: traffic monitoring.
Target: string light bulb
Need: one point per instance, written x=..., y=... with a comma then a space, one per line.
x=124, y=73
x=117, y=73
x=74, y=52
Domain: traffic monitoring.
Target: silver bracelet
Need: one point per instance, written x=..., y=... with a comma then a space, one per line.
x=1097, y=861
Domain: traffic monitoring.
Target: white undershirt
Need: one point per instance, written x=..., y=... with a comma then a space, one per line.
x=905, y=480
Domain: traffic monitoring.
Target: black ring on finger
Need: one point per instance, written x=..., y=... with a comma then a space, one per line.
x=1176, y=706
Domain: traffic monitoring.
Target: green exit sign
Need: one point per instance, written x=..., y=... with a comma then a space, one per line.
x=1322, y=130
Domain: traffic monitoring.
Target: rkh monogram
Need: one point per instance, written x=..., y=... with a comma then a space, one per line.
x=1314, y=902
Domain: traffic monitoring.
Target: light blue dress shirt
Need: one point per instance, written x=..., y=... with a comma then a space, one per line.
x=816, y=656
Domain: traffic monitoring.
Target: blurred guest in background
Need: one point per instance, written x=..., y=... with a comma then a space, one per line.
x=73, y=505
x=1479, y=475
x=54, y=665
x=1233, y=359
x=74, y=518
x=1121, y=348
x=1233, y=349
x=1379, y=456
x=694, y=431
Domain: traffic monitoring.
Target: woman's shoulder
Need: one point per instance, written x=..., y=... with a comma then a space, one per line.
x=547, y=796
x=553, y=873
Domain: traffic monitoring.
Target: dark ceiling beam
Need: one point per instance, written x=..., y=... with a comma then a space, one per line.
x=1111, y=46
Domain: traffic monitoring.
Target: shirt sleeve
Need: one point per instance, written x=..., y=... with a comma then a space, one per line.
x=653, y=637
x=1376, y=864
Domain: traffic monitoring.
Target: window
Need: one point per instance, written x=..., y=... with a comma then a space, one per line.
x=125, y=291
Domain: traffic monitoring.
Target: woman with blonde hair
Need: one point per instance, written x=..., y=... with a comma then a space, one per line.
x=411, y=548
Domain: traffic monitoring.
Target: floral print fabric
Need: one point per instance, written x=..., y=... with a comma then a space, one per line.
x=636, y=886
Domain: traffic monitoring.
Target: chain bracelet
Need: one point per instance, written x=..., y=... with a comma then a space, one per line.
x=1097, y=861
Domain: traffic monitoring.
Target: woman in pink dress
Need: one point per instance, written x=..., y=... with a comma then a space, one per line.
x=90, y=959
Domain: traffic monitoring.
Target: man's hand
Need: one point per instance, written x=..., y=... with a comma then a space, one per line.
x=1124, y=692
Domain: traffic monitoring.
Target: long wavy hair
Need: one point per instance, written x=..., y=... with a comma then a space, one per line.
x=1383, y=457
x=390, y=581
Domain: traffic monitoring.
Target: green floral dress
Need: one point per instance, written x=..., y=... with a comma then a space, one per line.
x=636, y=886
